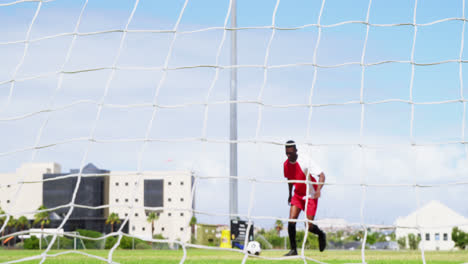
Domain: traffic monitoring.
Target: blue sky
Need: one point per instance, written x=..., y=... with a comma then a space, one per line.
x=384, y=124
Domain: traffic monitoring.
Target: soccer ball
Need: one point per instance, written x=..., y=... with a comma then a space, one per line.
x=253, y=248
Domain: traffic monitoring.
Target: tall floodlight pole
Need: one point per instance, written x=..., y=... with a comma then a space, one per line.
x=233, y=118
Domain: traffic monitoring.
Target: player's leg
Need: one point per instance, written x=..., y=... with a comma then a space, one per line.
x=310, y=213
x=294, y=212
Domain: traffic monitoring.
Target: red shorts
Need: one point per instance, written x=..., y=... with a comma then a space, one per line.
x=300, y=203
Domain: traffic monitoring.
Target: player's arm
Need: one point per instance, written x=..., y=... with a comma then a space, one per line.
x=290, y=186
x=320, y=186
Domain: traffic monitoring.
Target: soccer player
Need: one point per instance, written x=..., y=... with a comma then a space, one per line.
x=297, y=169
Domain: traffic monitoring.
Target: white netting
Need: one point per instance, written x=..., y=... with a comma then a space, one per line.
x=143, y=87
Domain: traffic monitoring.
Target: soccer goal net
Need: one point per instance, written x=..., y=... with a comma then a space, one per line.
x=152, y=124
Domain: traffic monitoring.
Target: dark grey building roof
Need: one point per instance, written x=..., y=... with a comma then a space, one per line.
x=89, y=169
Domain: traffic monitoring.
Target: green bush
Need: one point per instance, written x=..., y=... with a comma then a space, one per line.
x=31, y=243
x=19, y=245
x=272, y=237
x=402, y=242
x=91, y=244
x=312, y=240
x=156, y=245
x=110, y=241
x=413, y=241
x=374, y=237
x=142, y=245
x=63, y=243
x=460, y=238
x=126, y=242
x=335, y=240
x=263, y=245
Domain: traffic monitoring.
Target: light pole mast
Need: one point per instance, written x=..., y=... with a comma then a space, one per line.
x=233, y=117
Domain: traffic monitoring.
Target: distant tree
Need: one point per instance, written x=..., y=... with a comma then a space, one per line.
x=372, y=238
x=22, y=222
x=152, y=217
x=356, y=236
x=402, y=242
x=43, y=218
x=12, y=223
x=312, y=241
x=193, y=222
x=460, y=238
x=112, y=219
x=335, y=239
x=2, y=221
x=278, y=226
x=276, y=241
x=413, y=241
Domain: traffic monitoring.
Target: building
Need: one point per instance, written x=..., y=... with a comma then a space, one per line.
x=334, y=225
x=169, y=194
x=93, y=192
x=24, y=199
x=436, y=222
x=209, y=235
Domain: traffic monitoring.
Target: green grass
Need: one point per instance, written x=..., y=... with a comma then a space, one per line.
x=199, y=256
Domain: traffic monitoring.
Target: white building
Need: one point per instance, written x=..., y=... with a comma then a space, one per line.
x=333, y=224
x=23, y=199
x=436, y=222
x=169, y=194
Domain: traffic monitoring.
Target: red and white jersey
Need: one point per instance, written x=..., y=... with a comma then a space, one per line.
x=298, y=170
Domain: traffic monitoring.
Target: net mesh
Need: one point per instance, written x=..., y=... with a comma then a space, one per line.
x=185, y=82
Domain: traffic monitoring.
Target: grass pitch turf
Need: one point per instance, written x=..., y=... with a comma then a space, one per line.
x=199, y=256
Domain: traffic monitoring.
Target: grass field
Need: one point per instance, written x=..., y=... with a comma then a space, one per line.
x=199, y=256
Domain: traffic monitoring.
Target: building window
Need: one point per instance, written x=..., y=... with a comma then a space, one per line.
x=8, y=186
x=7, y=201
x=136, y=199
x=181, y=229
x=169, y=183
x=181, y=183
x=428, y=237
x=126, y=184
x=437, y=237
x=136, y=214
x=445, y=237
x=142, y=229
x=181, y=214
x=116, y=200
x=181, y=199
x=169, y=214
x=133, y=228
x=162, y=228
x=116, y=184
x=126, y=200
x=169, y=199
x=157, y=214
x=126, y=214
